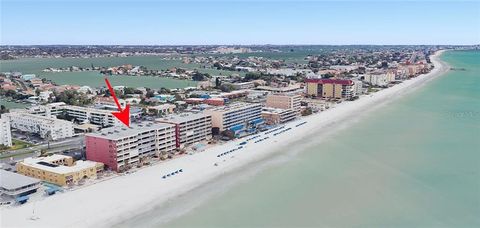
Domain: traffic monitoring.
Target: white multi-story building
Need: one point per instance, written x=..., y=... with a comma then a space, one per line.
x=45, y=127
x=91, y=115
x=120, y=147
x=190, y=127
x=239, y=113
x=358, y=87
x=48, y=110
x=380, y=79
x=102, y=117
x=83, y=114
x=5, y=133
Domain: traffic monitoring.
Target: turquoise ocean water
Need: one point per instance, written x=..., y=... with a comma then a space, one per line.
x=411, y=163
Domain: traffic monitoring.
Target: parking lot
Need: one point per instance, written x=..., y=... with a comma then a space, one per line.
x=27, y=137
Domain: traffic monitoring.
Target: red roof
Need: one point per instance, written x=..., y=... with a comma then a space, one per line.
x=330, y=81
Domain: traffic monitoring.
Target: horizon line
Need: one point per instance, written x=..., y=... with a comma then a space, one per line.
x=2, y=45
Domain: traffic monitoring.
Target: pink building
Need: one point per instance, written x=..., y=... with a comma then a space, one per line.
x=119, y=148
x=215, y=101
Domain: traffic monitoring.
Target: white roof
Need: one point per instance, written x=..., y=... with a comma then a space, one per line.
x=60, y=169
x=11, y=181
x=120, y=132
x=235, y=106
x=181, y=118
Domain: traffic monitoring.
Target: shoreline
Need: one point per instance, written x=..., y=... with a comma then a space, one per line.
x=110, y=202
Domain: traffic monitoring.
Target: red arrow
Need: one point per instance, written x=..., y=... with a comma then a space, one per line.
x=122, y=114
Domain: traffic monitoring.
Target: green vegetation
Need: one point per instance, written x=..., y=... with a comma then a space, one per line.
x=14, y=155
x=17, y=144
x=372, y=90
x=3, y=109
x=218, y=83
x=227, y=87
x=306, y=112
x=11, y=93
x=72, y=97
x=250, y=76
x=198, y=76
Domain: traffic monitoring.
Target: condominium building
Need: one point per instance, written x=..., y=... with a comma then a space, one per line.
x=120, y=148
x=5, y=133
x=284, y=101
x=59, y=169
x=190, y=127
x=358, y=87
x=48, y=110
x=227, y=117
x=274, y=116
x=45, y=127
x=91, y=115
x=331, y=88
x=13, y=185
x=379, y=78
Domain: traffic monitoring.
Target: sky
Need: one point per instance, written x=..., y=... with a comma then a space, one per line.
x=39, y=22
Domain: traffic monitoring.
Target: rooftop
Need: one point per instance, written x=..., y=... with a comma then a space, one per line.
x=279, y=89
x=330, y=81
x=275, y=110
x=184, y=117
x=234, y=106
x=285, y=94
x=119, y=132
x=11, y=180
x=88, y=109
x=46, y=163
x=44, y=119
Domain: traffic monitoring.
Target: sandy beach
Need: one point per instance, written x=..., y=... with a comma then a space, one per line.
x=109, y=202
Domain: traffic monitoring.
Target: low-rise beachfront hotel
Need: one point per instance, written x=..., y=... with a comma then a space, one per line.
x=190, y=127
x=273, y=116
x=226, y=117
x=16, y=186
x=120, y=148
x=45, y=127
x=59, y=169
x=331, y=88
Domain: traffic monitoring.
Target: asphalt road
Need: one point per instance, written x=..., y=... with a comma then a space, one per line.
x=55, y=147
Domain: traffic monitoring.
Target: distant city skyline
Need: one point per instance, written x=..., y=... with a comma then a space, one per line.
x=239, y=23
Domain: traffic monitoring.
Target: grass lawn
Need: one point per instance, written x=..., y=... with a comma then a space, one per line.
x=17, y=144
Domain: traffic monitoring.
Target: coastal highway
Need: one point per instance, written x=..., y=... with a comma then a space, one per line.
x=76, y=142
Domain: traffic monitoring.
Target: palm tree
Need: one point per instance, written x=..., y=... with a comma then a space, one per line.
x=48, y=135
